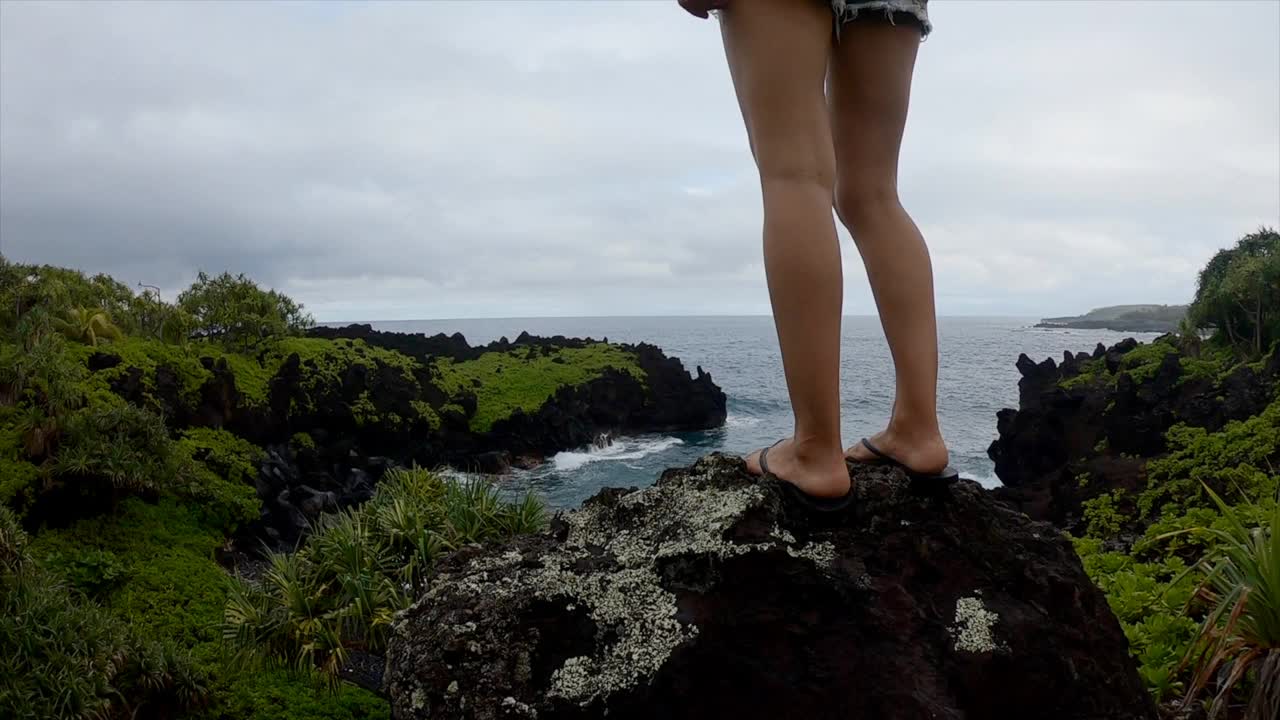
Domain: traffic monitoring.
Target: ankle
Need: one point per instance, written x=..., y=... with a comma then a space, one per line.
x=921, y=428
x=810, y=449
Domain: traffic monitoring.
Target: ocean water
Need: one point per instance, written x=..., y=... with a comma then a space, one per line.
x=977, y=378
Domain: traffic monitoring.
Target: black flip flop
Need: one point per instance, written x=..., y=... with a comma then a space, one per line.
x=946, y=477
x=818, y=504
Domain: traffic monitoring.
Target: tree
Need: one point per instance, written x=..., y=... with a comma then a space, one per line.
x=235, y=310
x=1238, y=294
x=88, y=326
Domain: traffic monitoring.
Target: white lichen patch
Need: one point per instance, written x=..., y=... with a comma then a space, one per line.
x=510, y=704
x=781, y=533
x=974, y=625
x=822, y=554
x=418, y=700
x=607, y=568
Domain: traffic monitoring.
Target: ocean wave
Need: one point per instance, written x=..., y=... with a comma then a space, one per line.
x=986, y=480
x=632, y=448
x=740, y=421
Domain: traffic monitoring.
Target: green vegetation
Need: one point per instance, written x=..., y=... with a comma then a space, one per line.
x=1238, y=294
x=88, y=326
x=237, y=312
x=154, y=565
x=117, y=615
x=1166, y=588
x=113, y=507
x=339, y=593
x=1141, y=364
x=1240, y=637
x=1198, y=592
x=64, y=656
x=524, y=380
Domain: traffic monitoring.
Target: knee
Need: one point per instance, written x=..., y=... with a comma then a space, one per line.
x=864, y=202
x=809, y=167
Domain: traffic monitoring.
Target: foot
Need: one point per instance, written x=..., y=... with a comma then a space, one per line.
x=816, y=472
x=923, y=452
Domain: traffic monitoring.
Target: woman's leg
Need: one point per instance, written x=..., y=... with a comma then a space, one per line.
x=777, y=52
x=869, y=89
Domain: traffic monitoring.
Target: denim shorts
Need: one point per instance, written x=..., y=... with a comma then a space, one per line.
x=914, y=12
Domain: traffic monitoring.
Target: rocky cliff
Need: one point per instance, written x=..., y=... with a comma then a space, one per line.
x=709, y=595
x=1087, y=425
x=332, y=412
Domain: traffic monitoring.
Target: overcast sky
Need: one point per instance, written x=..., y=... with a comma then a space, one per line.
x=472, y=159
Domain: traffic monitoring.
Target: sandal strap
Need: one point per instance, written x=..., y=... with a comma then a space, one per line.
x=878, y=452
x=764, y=457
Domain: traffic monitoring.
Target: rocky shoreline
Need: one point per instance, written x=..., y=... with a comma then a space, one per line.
x=710, y=594
x=332, y=424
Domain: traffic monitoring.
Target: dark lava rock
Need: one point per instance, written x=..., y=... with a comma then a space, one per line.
x=494, y=462
x=1064, y=446
x=709, y=595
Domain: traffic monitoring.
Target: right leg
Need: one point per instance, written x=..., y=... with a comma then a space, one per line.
x=777, y=52
x=870, y=86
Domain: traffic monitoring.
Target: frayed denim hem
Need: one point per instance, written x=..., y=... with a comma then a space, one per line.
x=848, y=10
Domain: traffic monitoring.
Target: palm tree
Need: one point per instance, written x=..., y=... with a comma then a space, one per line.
x=88, y=326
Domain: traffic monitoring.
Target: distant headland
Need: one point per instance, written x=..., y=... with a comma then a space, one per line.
x=1124, y=318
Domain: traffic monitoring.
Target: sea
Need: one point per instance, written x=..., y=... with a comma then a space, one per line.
x=976, y=379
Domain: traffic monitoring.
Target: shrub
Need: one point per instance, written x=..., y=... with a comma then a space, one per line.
x=1240, y=637
x=172, y=590
x=220, y=476
x=62, y=656
x=122, y=448
x=340, y=591
x=93, y=572
x=235, y=310
x=1244, y=454
x=88, y=326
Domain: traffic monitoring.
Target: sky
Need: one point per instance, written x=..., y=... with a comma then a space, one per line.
x=514, y=159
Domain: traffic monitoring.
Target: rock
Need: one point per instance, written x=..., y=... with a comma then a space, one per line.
x=102, y=361
x=710, y=595
x=494, y=462
x=1062, y=447
x=313, y=502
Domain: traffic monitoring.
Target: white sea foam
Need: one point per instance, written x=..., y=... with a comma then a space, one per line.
x=740, y=421
x=988, y=481
x=627, y=448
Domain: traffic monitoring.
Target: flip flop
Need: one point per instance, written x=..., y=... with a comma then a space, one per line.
x=946, y=477
x=812, y=502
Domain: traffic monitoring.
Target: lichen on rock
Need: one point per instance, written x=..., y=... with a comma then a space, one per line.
x=711, y=595
x=973, y=629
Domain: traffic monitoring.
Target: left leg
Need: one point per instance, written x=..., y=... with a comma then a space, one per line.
x=777, y=52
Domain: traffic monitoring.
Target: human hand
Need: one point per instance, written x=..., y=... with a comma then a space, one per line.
x=702, y=8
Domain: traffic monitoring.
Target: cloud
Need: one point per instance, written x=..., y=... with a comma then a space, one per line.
x=493, y=159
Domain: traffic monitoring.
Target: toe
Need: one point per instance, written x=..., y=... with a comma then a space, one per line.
x=753, y=463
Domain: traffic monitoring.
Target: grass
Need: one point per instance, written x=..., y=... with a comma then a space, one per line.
x=173, y=589
x=525, y=379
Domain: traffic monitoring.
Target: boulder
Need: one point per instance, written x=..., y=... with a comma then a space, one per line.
x=713, y=595
x=1065, y=446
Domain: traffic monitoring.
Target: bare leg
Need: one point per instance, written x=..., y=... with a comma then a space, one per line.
x=777, y=52
x=869, y=89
